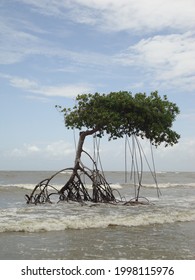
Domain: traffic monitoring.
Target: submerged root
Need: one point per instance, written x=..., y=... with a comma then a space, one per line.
x=135, y=201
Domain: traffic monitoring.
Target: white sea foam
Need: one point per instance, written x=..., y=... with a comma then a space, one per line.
x=51, y=219
x=169, y=185
x=56, y=186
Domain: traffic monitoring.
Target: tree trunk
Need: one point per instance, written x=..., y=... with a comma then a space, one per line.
x=82, y=136
x=79, y=151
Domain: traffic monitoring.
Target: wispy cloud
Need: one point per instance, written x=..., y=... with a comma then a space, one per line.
x=164, y=61
x=18, y=43
x=141, y=15
x=37, y=98
x=167, y=58
x=67, y=90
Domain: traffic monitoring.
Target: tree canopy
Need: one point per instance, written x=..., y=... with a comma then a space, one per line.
x=122, y=113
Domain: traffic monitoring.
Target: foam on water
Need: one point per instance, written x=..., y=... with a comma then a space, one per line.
x=57, y=186
x=113, y=186
x=55, y=218
x=175, y=205
x=169, y=185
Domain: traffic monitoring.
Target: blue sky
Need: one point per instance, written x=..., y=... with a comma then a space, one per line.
x=50, y=51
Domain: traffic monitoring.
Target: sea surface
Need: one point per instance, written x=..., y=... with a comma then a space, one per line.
x=164, y=228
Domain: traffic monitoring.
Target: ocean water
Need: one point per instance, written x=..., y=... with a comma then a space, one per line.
x=162, y=229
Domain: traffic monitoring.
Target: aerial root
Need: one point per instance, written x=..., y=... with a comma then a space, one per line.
x=74, y=189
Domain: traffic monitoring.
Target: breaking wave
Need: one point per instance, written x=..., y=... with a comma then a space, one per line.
x=113, y=186
x=43, y=220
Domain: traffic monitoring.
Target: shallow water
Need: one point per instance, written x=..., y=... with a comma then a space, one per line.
x=167, y=241
x=164, y=229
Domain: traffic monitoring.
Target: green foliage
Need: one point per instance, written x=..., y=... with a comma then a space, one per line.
x=121, y=113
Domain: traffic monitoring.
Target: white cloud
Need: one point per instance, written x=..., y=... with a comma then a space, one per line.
x=23, y=83
x=15, y=43
x=38, y=98
x=64, y=91
x=48, y=91
x=26, y=151
x=59, y=149
x=114, y=15
x=55, y=150
x=167, y=59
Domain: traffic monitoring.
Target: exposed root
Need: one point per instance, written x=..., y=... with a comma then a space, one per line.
x=74, y=189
